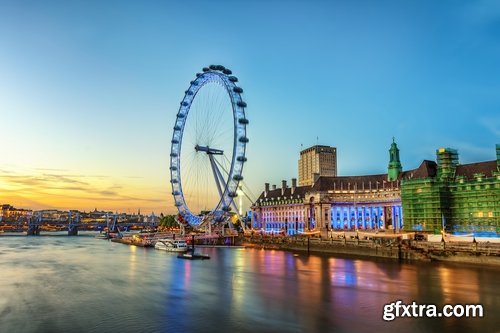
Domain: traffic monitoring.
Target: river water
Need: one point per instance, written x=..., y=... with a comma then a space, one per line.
x=83, y=284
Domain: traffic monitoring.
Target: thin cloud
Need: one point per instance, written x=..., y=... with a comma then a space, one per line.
x=492, y=124
x=469, y=153
x=43, y=181
x=125, y=199
x=51, y=169
x=107, y=193
x=63, y=179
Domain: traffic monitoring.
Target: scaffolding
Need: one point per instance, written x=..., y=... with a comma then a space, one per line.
x=447, y=160
x=452, y=202
x=475, y=204
x=422, y=204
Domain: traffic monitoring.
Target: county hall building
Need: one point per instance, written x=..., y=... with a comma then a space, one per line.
x=323, y=201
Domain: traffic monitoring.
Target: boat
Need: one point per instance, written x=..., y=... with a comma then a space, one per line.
x=171, y=245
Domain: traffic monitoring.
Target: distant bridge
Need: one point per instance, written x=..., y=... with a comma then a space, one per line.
x=33, y=225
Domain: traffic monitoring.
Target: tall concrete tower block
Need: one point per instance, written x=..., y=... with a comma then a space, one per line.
x=317, y=159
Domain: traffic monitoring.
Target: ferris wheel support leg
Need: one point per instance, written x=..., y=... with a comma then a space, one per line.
x=215, y=170
x=219, y=179
x=232, y=203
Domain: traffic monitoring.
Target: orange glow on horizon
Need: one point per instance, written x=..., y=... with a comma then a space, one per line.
x=39, y=189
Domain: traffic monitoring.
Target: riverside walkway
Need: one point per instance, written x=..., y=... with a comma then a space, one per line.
x=382, y=245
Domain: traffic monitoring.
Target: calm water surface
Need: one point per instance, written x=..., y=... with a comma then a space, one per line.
x=82, y=284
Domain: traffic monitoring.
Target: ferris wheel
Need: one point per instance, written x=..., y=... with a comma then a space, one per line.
x=208, y=148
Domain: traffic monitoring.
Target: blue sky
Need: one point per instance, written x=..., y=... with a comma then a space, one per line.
x=89, y=90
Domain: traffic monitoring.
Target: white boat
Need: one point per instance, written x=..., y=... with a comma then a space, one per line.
x=171, y=245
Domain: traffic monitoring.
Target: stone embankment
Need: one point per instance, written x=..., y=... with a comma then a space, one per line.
x=487, y=253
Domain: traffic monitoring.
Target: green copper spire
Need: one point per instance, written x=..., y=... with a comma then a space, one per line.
x=394, y=168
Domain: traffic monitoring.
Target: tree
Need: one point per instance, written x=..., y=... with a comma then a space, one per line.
x=168, y=222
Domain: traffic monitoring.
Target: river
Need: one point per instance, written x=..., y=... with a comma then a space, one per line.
x=83, y=284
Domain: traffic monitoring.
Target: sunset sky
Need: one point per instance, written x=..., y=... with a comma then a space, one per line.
x=89, y=90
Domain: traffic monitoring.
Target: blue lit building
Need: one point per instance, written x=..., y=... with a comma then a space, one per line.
x=370, y=202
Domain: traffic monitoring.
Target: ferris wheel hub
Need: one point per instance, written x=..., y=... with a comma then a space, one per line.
x=208, y=150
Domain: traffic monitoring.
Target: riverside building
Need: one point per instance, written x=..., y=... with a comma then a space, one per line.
x=9, y=212
x=461, y=198
x=465, y=196
x=331, y=202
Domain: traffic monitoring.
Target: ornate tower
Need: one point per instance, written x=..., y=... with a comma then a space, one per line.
x=394, y=168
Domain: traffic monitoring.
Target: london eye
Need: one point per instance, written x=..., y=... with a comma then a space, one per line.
x=208, y=148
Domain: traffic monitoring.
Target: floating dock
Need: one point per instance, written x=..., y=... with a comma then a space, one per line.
x=195, y=256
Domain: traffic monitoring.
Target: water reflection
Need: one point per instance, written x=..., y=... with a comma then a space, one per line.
x=88, y=285
x=132, y=262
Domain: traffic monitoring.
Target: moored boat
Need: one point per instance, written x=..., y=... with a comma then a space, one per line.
x=171, y=245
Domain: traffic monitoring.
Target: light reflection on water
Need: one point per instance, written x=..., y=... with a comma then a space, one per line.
x=82, y=284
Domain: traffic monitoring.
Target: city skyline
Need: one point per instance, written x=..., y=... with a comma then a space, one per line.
x=89, y=91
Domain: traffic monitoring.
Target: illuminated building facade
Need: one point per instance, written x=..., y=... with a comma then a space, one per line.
x=280, y=209
x=333, y=203
x=317, y=161
x=354, y=202
x=465, y=198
